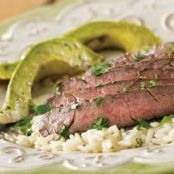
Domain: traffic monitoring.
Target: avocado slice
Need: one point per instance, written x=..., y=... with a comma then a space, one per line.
x=109, y=34
x=102, y=35
x=6, y=70
x=58, y=56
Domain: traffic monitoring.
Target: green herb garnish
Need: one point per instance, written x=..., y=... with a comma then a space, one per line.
x=24, y=125
x=29, y=132
x=142, y=85
x=143, y=124
x=166, y=119
x=100, y=69
x=170, y=50
x=139, y=141
x=139, y=57
x=152, y=84
x=98, y=100
x=100, y=123
x=65, y=132
x=41, y=109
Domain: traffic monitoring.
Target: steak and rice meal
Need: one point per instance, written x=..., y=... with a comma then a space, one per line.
x=124, y=103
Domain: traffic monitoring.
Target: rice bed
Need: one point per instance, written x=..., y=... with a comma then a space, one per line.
x=109, y=139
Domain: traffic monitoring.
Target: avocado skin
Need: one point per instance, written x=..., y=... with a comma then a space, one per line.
x=60, y=56
x=119, y=34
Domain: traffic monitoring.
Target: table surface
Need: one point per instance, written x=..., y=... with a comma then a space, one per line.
x=11, y=8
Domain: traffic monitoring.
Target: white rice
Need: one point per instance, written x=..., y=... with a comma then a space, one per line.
x=106, y=140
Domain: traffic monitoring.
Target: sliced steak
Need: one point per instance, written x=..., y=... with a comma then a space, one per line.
x=155, y=70
x=125, y=74
x=123, y=110
x=131, y=90
x=110, y=89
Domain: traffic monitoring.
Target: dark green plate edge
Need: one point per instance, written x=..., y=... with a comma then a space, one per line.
x=129, y=168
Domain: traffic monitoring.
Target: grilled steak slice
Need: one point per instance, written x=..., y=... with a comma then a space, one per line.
x=115, y=81
x=162, y=69
x=149, y=94
x=110, y=89
x=122, y=67
x=123, y=110
x=125, y=74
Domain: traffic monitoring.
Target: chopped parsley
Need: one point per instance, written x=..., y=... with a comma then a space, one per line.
x=150, y=84
x=170, y=50
x=143, y=124
x=65, y=132
x=98, y=100
x=142, y=85
x=29, y=132
x=41, y=109
x=139, y=141
x=166, y=119
x=101, y=68
x=139, y=57
x=24, y=126
x=100, y=123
